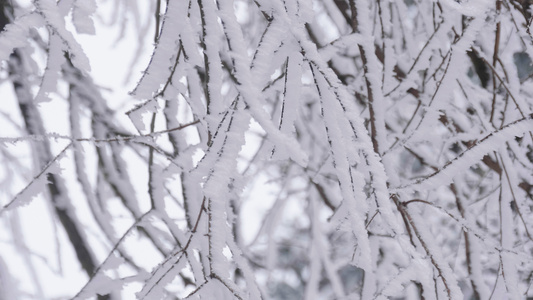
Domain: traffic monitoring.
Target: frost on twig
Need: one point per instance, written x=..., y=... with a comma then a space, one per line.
x=270, y=149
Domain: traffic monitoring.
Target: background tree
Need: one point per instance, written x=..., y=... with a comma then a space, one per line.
x=271, y=149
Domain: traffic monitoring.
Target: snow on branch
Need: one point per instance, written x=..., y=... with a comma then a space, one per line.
x=491, y=142
x=37, y=184
x=271, y=149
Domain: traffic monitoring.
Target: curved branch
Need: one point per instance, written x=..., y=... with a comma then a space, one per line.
x=471, y=156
